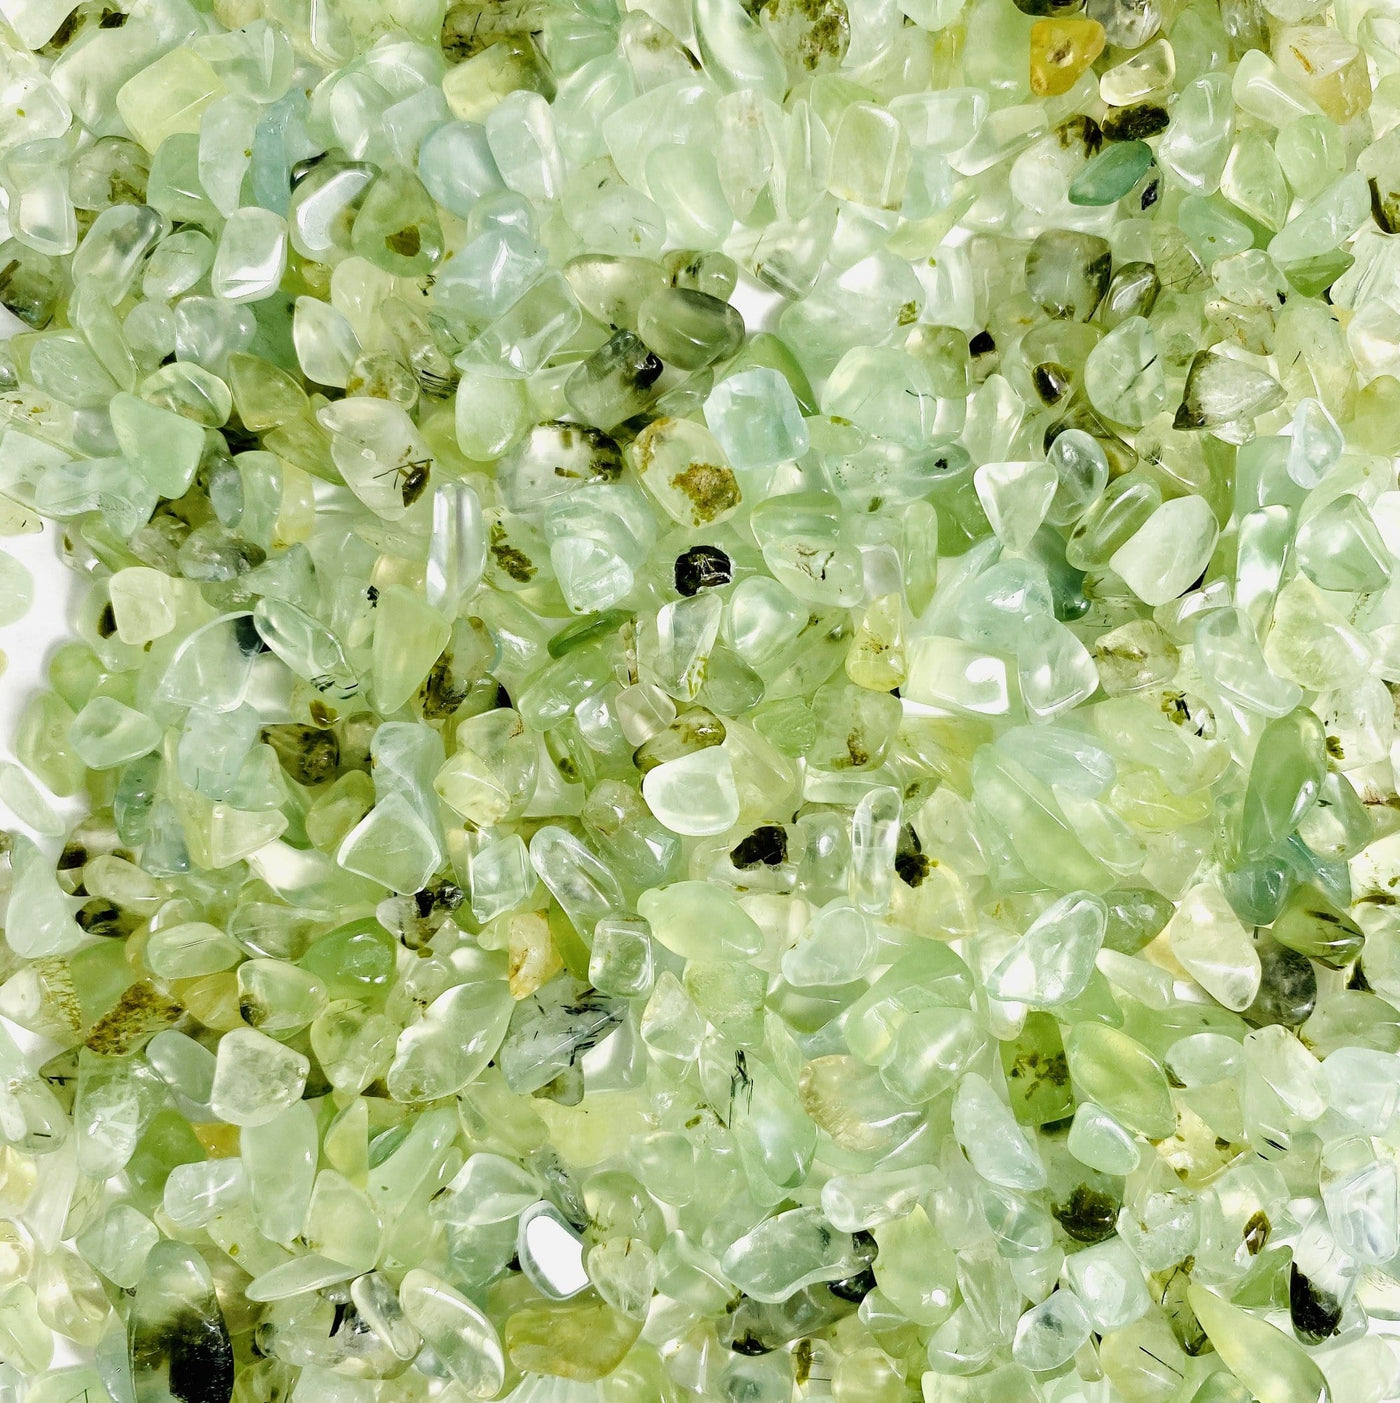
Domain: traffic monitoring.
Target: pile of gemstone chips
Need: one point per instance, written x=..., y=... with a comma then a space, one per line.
x=627, y=857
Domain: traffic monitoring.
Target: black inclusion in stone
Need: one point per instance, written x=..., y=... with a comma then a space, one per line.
x=1080, y=131
x=910, y=864
x=1088, y=1214
x=853, y=1288
x=250, y=641
x=309, y=754
x=1051, y=380
x=750, y=1345
x=766, y=846
x=649, y=371
x=73, y=855
x=200, y=1360
x=1256, y=1232
x=702, y=567
x=1315, y=1313
x=1287, y=987
x=239, y=439
x=101, y=917
x=1135, y=123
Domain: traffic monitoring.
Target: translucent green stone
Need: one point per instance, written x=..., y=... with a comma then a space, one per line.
x=106, y=733
x=755, y=417
x=583, y=1339
x=1284, y=780
x=396, y=227
x=1108, y=1068
x=1313, y=926
x=1037, y=1074
x=1110, y=175
x=409, y=637
x=177, y=1329
x=727, y=726
x=1265, y=1360
x=689, y=328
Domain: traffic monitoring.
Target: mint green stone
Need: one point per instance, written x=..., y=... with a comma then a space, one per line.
x=106, y=733
x=396, y=227
x=1284, y=780
x=1107, y=177
x=165, y=447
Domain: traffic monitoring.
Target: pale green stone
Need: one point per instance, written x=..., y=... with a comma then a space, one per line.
x=118, y=1245
x=167, y=98
x=524, y=337
x=869, y=157
x=165, y=447
x=1122, y=1077
x=694, y=795
x=447, y=1049
x=1048, y=1335
x=176, y=1316
x=736, y=52
x=755, y=418
x=456, y=166
x=396, y=227
x=1025, y=809
x=1211, y=230
x=1254, y=181
x=995, y=1145
x=255, y=1078
x=391, y=845
x=251, y=256
x=1123, y=375
x=22, y=796
x=916, y=1268
x=1284, y=780
x=1340, y=548
x=106, y=733
x=1016, y=496
x=695, y=920
x=1162, y=558
x=459, y=1333
x=655, y=777
x=279, y=1160
x=189, y=949
x=786, y=1252
x=1214, y=948
x=1053, y=960
x=409, y=636
x=1111, y=174
x=1098, y=1141
x=1270, y=1364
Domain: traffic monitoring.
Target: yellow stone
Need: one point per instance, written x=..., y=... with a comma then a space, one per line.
x=1330, y=69
x=533, y=958
x=219, y=1141
x=1061, y=49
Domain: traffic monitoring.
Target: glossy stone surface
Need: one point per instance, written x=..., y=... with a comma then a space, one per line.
x=727, y=727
